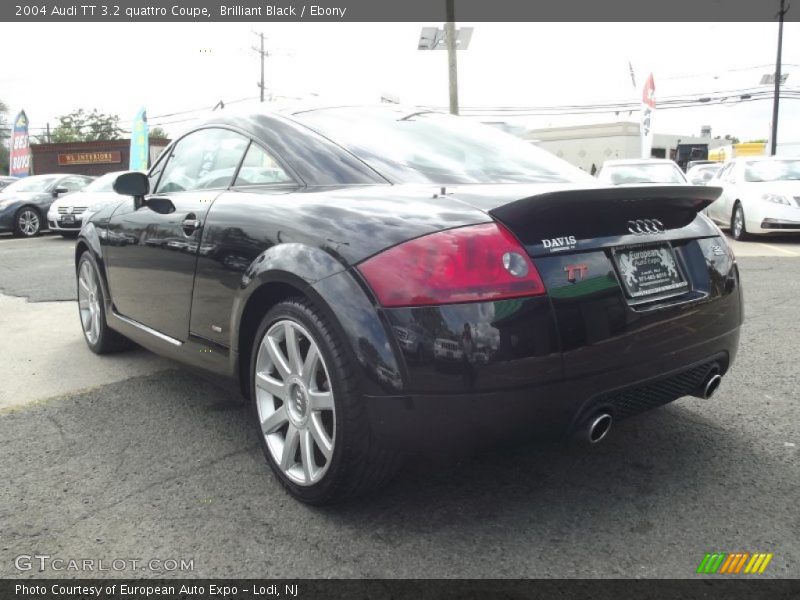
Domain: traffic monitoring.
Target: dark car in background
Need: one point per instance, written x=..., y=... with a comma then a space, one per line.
x=24, y=203
x=562, y=303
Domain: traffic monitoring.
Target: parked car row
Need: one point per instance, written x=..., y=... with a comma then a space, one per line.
x=25, y=202
x=56, y=202
x=760, y=194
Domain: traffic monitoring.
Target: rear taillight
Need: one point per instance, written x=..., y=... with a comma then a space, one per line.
x=467, y=264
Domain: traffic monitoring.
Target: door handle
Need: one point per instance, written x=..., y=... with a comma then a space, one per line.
x=190, y=224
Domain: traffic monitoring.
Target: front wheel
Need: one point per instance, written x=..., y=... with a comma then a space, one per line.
x=308, y=409
x=100, y=338
x=27, y=222
x=738, y=227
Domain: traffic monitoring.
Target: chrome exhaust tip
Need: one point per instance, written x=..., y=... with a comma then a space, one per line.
x=599, y=426
x=711, y=386
x=706, y=389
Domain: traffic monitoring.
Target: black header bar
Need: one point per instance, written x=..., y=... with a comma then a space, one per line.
x=394, y=10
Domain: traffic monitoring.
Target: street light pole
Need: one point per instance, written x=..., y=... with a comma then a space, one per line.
x=452, y=66
x=776, y=97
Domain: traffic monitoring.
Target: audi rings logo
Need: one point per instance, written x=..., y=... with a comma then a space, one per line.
x=646, y=226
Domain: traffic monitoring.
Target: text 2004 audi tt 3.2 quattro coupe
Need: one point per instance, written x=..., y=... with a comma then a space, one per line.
x=376, y=279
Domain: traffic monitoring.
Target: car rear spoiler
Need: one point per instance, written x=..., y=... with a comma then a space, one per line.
x=602, y=212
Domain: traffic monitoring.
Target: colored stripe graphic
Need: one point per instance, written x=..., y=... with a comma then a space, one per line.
x=733, y=562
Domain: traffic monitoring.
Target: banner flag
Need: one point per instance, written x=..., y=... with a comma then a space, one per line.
x=648, y=108
x=19, y=163
x=140, y=146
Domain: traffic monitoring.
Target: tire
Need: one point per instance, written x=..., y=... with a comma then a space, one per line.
x=738, y=226
x=100, y=338
x=333, y=455
x=27, y=222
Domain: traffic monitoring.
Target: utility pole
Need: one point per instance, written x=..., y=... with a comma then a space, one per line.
x=263, y=54
x=452, y=66
x=48, y=133
x=776, y=97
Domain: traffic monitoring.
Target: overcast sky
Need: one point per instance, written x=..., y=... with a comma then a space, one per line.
x=175, y=67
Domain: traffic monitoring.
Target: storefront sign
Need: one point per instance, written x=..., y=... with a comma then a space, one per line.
x=89, y=158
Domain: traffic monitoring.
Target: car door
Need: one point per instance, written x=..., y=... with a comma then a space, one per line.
x=730, y=192
x=151, y=276
x=716, y=210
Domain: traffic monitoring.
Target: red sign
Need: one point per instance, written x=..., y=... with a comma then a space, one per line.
x=20, y=158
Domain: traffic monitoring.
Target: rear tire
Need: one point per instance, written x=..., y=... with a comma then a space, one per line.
x=315, y=406
x=100, y=338
x=27, y=222
x=738, y=226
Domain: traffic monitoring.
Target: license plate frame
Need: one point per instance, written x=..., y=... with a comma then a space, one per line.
x=649, y=270
x=68, y=219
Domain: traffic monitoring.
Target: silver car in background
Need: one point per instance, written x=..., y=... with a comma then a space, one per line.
x=66, y=214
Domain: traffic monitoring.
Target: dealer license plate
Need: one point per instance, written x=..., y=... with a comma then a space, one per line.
x=648, y=270
x=68, y=219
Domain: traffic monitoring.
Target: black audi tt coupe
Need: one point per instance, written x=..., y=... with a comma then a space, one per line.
x=380, y=279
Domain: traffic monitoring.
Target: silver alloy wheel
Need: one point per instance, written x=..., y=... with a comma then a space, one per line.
x=295, y=402
x=89, y=302
x=28, y=222
x=738, y=221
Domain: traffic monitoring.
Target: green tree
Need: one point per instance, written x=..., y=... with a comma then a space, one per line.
x=80, y=126
x=731, y=138
x=158, y=133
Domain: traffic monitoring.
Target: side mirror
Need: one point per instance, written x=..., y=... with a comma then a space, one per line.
x=59, y=191
x=133, y=184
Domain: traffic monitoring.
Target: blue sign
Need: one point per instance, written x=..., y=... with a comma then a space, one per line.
x=140, y=146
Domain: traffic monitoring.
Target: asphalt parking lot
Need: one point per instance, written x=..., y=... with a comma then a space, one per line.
x=133, y=457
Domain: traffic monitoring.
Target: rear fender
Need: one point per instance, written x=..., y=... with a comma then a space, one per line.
x=347, y=305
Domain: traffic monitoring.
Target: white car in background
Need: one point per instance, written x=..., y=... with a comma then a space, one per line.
x=703, y=173
x=66, y=214
x=641, y=170
x=760, y=195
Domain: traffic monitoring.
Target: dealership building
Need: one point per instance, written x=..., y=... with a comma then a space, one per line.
x=87, y=158
x=590, y=145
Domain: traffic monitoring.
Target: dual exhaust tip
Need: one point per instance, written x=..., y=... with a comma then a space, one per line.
x=598, y=425
x=710, y=385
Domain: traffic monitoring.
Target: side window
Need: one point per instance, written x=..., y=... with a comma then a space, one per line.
x=259, y=168
x=723, y=174
x=73, y=183
x=156, y=170
x=205, y=159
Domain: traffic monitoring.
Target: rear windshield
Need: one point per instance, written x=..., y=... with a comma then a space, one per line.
x=772, y=170
x=428, y=147
x=652, y=173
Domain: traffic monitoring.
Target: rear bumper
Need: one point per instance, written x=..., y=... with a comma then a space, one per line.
x=545, y=411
